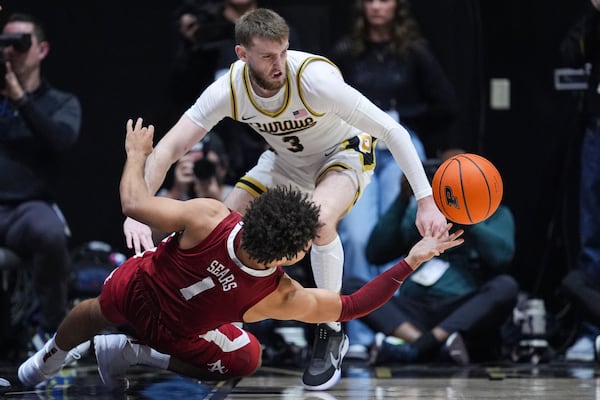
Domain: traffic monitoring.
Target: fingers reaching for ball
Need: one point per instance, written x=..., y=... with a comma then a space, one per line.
x=434, y=244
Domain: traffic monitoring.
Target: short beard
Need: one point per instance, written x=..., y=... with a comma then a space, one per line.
x=263, y=83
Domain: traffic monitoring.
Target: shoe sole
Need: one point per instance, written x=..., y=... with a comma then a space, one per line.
x=337, y=375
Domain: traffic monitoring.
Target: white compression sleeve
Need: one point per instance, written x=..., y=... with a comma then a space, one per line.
x=327, y=263
x=326, y=91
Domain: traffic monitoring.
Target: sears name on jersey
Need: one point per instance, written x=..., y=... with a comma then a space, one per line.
x=223, y=275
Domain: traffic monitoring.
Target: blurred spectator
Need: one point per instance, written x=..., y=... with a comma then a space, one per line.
x=38, y=125
x=205, y=45
x=181, y=178
x=581, y=49
x=185, y=180
x=388, y=60
x=455, y=302
x=207, y=182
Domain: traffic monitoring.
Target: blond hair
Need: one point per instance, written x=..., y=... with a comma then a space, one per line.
x=261, y=23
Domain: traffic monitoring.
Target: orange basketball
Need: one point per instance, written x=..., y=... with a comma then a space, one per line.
x=467, y=188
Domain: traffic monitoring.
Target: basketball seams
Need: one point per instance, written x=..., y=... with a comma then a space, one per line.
x=462, y=188
x=471, y=158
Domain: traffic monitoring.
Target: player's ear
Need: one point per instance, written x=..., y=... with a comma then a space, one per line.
x=240, y=51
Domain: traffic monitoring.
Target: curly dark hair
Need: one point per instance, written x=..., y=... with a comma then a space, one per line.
x=279, y=224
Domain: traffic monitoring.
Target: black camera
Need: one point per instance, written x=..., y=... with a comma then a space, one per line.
x=21, y=42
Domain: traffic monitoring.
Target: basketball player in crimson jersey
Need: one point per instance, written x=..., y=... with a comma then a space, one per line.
x=321, y=134
x=183, y=297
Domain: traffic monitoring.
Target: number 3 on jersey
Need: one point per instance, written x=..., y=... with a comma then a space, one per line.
x=294, y=143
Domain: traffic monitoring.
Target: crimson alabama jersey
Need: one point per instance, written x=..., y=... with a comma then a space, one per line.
x=200, y=288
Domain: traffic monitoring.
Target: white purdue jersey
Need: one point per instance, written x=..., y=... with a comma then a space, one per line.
x=310, y=117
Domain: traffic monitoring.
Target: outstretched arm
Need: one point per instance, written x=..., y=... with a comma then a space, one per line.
x=379, y=290
x=319, y=305
x=326, y=91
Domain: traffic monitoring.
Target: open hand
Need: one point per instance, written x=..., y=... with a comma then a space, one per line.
x=433, y=244
x=138, y=236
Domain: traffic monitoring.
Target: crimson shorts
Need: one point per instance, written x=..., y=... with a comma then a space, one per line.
x=227, y=351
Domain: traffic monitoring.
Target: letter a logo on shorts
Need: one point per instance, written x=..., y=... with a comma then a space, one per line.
x=451, y=199
x=217, y=367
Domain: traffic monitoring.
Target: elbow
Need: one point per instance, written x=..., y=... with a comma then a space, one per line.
x=128, y=207
x=133, y=210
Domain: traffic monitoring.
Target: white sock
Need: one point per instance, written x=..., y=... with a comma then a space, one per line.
x=145, y=355
x=51, y=358
x=327, y=263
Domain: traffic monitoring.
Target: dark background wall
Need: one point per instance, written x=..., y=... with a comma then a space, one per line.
x=115, y=56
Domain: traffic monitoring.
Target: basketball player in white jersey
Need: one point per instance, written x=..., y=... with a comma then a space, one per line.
x=321, y=132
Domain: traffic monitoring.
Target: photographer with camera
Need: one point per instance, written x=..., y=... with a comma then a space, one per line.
x=38, y=124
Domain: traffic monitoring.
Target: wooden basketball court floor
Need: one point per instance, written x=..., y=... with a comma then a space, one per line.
x=550, y=381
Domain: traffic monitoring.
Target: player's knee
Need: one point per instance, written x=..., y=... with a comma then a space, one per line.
x=249, y=359
x=258, y=360
x=254, y=354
